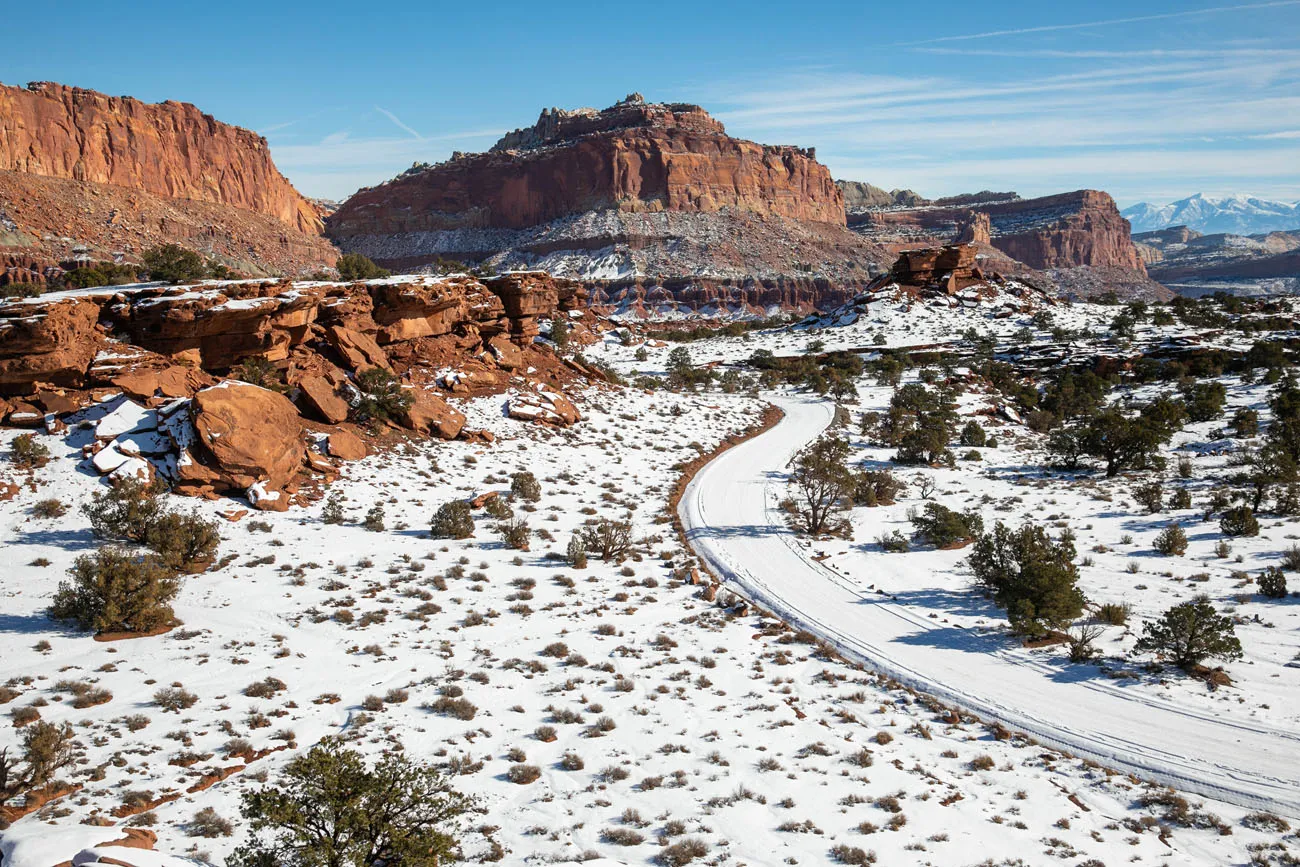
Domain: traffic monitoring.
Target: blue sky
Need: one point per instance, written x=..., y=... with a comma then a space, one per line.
x=1150, y=101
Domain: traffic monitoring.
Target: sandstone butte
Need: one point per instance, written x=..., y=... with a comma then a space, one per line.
x=633, y=156
x=683, y=213
x=115, y=175
x=166, y=349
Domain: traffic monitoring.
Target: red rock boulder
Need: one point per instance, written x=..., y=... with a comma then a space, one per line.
x=246, y=436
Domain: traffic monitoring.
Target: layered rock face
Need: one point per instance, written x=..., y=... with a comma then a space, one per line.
x=637, y=193
x=1195, y=264
x=1067, y=230
x=85, y=175
x=169, y=149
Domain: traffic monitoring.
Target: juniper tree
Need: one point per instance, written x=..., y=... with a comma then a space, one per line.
x=1190, y=633
x=330, y=809
x=114, y=590
x=1029, y=574
x=824, y=483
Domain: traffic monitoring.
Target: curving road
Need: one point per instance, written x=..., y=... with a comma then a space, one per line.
x=732, y=520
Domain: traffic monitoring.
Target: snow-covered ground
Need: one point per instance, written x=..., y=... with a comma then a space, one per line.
x=911, y=616
x=686, y=718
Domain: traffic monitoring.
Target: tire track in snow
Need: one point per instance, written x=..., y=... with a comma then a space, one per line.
x=733, y=522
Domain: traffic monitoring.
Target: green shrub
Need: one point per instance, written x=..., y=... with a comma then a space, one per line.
x=1239, y=521
x=28, y=453
x=1245, y=423
x=877, y=488
x=608, y=540
x=374, y=521
x=382, y=395
x=101, y=274
x=172, y=263
x=332, y=513
x=1273, y=583
x=498, y=508
x=51, y=508
x=1150, y=496
x=972, y=435
x=944, y=528
x=576, y=553
x=1030, y=575
x=1204, y=400
x=330, y=807
x=184, y=542
x=1181, y=499
x=1171, y=541
x=1190, y=633
x=259, y=371
x=126, y=511
x=516, y=534
x=524, y=486
x=113, y=590
x=1114, y=613
x=894, y=543
x=453, y=520
x=560, y=332
x=354, y=266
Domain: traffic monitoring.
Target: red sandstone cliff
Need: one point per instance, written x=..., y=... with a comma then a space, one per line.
x=169, y=149
x=1062, y=231
x=653, y=203
x=89, y=177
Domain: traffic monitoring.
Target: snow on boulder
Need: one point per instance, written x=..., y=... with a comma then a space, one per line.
x=33, y=844
x=244, y=435
x=430, y=414
x=543, y=404
x=127, y=417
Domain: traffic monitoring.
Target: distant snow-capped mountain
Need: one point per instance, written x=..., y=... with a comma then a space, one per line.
x=1239, y=215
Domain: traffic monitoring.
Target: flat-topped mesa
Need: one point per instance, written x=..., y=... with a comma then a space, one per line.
x=652, y=202
x=168, y=149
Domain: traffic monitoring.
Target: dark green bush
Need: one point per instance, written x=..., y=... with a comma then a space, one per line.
x=1030, y=575
x=453, y=520
x=354, y=266
x=28, y=453
x=1273, y=583
x=945, y=528
x=1239, y=521
x=973, y=435
x=382, y=395
x=172, y=263
x=113, y=590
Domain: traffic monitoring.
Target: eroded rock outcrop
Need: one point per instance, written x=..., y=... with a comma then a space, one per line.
x=1082, y=228
x=242, y=387
x=164, y=341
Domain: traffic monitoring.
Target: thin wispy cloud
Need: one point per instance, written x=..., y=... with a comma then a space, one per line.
x=1108, y=22
x=1130, y=120
x=398, y=122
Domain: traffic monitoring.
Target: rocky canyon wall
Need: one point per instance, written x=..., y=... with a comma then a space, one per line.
x=168, y=149
x=89, y=177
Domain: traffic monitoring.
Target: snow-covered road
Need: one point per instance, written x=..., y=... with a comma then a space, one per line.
x=732, y=519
